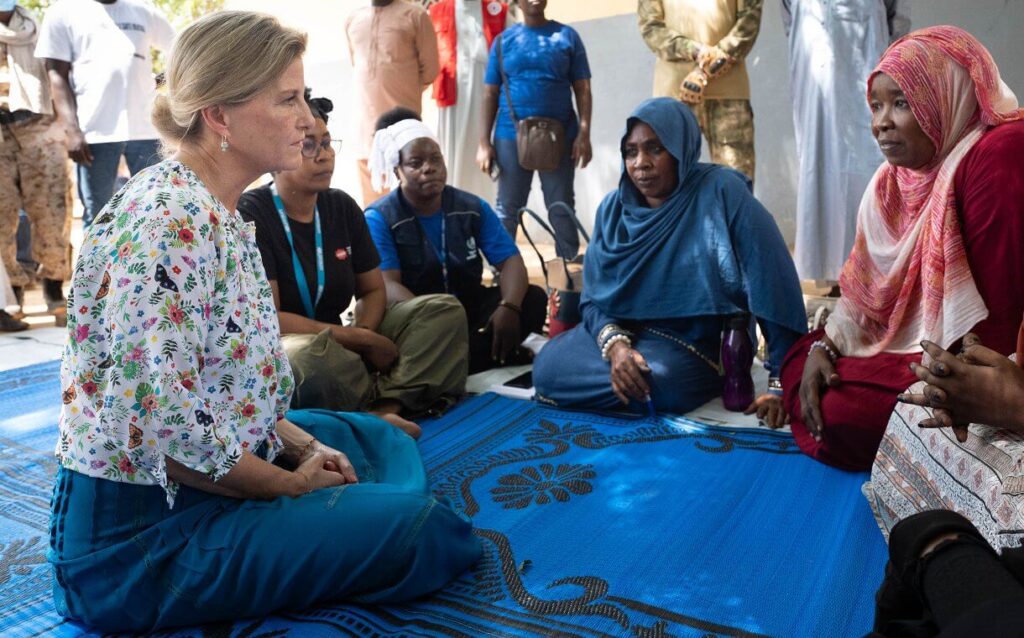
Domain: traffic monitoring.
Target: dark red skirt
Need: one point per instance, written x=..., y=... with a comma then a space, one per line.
x=856, y=413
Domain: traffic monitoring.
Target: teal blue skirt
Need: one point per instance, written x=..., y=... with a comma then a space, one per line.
x=124, y=561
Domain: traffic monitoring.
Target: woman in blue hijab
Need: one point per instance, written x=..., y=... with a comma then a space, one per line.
x=678, y=249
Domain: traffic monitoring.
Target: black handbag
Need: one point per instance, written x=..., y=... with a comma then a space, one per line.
x=562, y=277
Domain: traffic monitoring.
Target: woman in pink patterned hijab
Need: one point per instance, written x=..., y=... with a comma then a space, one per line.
x=938, y=248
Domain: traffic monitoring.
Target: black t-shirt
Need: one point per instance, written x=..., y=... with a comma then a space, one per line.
x=348, y=250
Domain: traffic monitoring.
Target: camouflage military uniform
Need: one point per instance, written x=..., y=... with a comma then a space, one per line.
x=675, y=30
x=33, y=157
x=33, y=176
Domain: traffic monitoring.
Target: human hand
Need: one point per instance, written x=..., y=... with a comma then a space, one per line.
x=323, y=467
x=379, y=352
x=486, y=156
x=691, y=90
x=582, y=152
x=504, y=328
x=78, y=148
x=769, y=409
x=628, y=368
x=970, y=339
x=336, y=461
x=714, y=62
x=819, y=375
x=980, y=386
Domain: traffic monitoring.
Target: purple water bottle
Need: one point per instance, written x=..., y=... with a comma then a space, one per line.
x=737, y=358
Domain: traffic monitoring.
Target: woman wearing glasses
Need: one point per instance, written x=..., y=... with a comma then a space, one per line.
x=408, y=359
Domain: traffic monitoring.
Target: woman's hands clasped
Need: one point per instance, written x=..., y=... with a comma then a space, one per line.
x=977, y=386
x=322, y=466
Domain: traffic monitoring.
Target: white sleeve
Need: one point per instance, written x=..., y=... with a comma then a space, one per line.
x=55, y=37
x=161, y=33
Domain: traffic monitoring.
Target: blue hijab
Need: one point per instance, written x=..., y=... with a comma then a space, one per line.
x=710, y=249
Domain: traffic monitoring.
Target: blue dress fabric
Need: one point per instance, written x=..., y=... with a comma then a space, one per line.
x=673, y=274
x=124, y=561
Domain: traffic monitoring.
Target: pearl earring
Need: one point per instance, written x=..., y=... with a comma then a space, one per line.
x=224, y=146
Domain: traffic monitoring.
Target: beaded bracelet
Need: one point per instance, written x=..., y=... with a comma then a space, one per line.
x=820, y=344
x=607, y=331
x=628, y=335
x=612, y=340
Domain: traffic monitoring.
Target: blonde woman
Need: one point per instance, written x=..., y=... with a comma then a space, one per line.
x=184, y=495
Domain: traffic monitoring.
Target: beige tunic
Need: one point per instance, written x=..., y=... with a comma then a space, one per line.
x=672, y=28
x=394, y=57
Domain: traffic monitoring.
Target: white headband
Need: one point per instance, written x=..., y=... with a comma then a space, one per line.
x=387, y=144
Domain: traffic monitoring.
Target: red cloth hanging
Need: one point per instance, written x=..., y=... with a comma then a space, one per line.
x=442, y=14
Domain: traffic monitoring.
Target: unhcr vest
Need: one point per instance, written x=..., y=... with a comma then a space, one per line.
x=421, y=270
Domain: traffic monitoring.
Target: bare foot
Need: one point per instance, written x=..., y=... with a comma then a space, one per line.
x=404, y=425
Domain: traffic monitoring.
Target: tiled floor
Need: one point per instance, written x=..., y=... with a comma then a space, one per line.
x=37, y=345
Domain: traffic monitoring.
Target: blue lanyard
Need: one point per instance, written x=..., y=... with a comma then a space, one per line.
x=442, y=255
x=300, y=274
x=444, y=252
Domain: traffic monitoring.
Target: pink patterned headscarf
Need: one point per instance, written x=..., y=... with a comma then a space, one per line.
x=907, y=277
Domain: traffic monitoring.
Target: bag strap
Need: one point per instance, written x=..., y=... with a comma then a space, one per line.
x=504, y=82
x=544, y=225
x=526, y=234
x=572, y=215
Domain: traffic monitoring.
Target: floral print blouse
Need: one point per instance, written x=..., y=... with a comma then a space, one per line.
x=173, y=343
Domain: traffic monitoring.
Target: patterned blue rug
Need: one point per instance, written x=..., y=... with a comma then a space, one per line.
x=592, y=525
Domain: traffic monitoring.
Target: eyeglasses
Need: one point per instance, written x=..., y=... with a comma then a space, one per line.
x=311, y=148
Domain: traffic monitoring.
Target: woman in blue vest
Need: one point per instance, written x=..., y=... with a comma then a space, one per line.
x=318, y=255
x=677, y=249
x=432, y=238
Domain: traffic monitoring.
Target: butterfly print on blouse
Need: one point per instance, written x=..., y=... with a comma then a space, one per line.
x=104, y=286
x=134, y=436
x=164, y=279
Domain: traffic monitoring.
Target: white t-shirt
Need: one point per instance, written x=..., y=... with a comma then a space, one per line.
x=108, y=46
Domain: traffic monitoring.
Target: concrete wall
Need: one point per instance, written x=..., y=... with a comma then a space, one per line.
x=623, y=74
x=623, y=71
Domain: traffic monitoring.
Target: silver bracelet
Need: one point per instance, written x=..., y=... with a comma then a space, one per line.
x=775, y=386
x=820, y=344
x=612, y=340
x=609, y=331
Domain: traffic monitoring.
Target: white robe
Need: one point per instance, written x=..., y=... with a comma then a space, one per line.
x=833, y=47
x=458, y=126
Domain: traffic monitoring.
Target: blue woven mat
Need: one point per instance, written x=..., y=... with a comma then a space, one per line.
x=592, y=526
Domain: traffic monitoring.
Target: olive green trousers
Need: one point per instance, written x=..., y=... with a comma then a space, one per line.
x=430, y=373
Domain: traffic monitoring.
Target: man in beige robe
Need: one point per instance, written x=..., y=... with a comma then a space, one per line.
x=393, y=50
